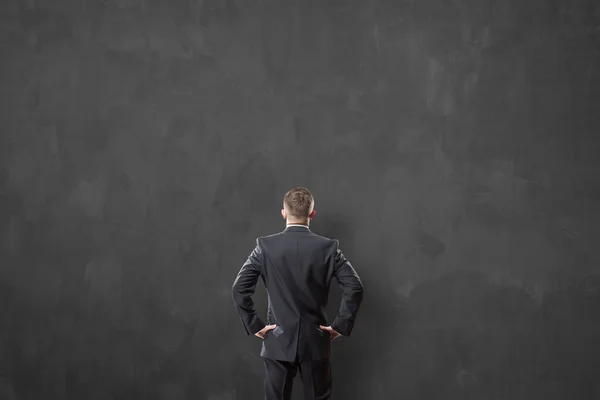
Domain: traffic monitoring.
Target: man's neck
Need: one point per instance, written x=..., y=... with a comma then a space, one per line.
x=288, y=223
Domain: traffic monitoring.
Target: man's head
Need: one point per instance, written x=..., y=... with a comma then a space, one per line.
x=298, y=206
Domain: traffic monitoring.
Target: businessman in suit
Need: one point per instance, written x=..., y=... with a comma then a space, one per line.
x=297, y=266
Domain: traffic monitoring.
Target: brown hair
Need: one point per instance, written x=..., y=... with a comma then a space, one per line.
x=298, y=202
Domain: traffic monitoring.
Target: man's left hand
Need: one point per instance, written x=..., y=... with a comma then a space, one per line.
x=261, y=334
x=332, y=332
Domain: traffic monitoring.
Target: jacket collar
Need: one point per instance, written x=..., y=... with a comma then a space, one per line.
x=296, y=228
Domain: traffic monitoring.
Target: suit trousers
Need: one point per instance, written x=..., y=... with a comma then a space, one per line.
x=315, y=375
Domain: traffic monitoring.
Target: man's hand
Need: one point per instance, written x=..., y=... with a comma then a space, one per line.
x=261, y=334
x=334, y=334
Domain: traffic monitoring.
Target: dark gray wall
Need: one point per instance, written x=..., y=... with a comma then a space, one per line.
x=452, y=147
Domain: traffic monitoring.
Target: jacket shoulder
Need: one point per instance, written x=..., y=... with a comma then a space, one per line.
x=325, y=238
x=277, y=235
x=269, y=236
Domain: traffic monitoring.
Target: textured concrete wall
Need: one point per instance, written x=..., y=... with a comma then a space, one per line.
x=452, y=147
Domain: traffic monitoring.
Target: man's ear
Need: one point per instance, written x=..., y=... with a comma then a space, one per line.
x=283, y=213
x=312, y=214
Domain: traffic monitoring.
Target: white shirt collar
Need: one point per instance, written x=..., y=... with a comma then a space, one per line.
x=304, y=226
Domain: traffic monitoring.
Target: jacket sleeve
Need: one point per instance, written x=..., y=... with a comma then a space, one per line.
x=352, y=293
x=243, y=289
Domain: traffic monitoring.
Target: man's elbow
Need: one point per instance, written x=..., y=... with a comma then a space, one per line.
x=359, y=291
x=239, y=291
x=236, y=291
x=355, y=290
x=359, y=287
x=236, y=287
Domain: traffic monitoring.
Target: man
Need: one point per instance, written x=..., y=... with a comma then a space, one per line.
x=297, y=267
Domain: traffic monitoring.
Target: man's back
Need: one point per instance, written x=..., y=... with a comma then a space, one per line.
x=297, y=267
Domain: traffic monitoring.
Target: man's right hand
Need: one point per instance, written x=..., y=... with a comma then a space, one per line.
x=261, y=334
x=333, y=334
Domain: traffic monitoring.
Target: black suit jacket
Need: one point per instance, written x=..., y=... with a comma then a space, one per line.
x=297, y=267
